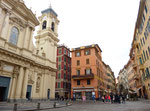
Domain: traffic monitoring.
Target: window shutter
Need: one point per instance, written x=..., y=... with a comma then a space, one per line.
x=61, y=84
x=62, y=74
x=62, y=58
x=56, y=85
x=57, y=51
x=90, y=71
x=62, y=65
x=62, y=50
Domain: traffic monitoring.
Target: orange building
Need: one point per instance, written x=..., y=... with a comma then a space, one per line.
x=87, y=76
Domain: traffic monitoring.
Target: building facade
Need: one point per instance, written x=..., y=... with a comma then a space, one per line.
x=87, y=78
x=26, y=71
x=63, y=76
x=123, y=81
x=110, y=80
x=141, y=48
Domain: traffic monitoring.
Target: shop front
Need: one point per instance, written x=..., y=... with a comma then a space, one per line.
x=79, y=94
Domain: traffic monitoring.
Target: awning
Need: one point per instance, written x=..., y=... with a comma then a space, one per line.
x=132, y=91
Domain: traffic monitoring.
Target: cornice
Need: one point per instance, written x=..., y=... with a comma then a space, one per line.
x=26, y=60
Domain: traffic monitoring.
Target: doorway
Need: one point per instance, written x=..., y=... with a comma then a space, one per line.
x=2, y=93
x=4, y=88
x=28, y=94
x=48, y=94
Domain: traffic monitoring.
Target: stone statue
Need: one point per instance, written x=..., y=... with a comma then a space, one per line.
x=38, y=84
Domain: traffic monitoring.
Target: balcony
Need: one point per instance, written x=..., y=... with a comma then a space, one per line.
x=77, y=77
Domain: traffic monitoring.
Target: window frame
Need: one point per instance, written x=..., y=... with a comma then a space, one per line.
x=78, y=52
x=88, y=82
x=44, y=23
x=78, y=62
x=87, y=52
x=78, y=82
x=12, y=36
x=87, y=61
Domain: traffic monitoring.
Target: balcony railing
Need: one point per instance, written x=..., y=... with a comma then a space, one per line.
x=85, y=76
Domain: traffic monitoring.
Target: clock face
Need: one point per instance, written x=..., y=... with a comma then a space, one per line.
x=44, y=18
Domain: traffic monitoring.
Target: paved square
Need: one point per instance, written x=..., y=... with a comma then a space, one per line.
x=99, y=106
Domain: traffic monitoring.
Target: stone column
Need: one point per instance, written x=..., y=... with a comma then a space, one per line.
x=5, y=26
x=19, y=83
x=14, y=81
x=25, y=83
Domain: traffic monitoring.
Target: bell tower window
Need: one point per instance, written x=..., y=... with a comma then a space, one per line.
x=44, y=25
x=53, y=26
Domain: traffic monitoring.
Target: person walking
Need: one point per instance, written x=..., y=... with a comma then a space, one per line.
x=109, y=99
x=103, y=99
x=106, y=98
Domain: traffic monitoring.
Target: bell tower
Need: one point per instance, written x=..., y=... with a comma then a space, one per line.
x=47, y=35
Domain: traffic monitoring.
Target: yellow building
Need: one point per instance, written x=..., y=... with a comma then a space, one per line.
x=26, y=71
x=110, y=78
x=141, y=47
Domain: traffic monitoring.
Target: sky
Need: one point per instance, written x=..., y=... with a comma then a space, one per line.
x=108, y=23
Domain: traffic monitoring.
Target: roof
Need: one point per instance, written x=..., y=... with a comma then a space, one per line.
x=49, y=10
x=88, y=46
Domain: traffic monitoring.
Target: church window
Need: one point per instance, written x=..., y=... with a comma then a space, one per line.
x=53, y=26
x=14, y=36
x=44, y=25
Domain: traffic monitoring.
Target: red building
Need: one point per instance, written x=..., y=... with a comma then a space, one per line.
x=63, y=75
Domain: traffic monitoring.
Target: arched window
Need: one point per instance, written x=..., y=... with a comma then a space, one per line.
x=53, y=26
x=44, y=25
x=14, y=35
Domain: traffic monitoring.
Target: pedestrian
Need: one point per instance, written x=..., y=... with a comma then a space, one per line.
x=113, y=99
x=106, y=98
x=123, y=99
x=93, y=97
x=103, y=99
x=109, y=99
x=111, y=96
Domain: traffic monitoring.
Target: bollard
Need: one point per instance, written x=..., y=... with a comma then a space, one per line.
x=54, y=105
x=67, y=103
x=15, y=107
x=38, y=106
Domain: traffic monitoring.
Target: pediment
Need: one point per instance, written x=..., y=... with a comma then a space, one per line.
x=17, y=20
x=21, y=9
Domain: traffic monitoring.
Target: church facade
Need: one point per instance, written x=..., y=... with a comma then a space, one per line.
x=27, y=72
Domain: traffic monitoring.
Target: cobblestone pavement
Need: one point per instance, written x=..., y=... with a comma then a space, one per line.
x=4, y=106
x=99, y=106
x=80, y=106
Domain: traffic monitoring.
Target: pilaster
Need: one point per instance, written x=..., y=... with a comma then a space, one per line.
x=26, y=38
x=13, y=87
x=6, y=25
x=19, y=84
x=25, y=83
